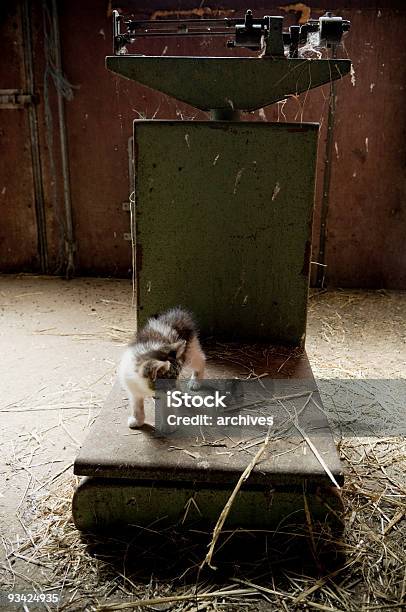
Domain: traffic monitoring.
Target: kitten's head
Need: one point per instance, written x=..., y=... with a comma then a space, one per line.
x=163, y=363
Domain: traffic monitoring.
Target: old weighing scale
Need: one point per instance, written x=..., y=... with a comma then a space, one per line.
x=223, y=214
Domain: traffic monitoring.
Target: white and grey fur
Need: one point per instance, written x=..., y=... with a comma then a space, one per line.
x=160, y=350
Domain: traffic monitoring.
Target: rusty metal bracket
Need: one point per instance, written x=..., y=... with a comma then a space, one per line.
x=16, y=98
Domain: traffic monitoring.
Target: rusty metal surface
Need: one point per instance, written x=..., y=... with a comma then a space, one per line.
x=18, y=231
x=366, y=220
x=367, y=216
x=113, y=451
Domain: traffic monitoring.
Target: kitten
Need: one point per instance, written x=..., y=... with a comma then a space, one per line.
x=160, y=350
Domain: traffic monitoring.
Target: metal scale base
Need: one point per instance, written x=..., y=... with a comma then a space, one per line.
x=135, y=478
x=223, y=221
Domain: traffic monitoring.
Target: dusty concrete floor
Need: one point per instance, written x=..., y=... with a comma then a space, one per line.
x=58, y=355
x=357, y=334
x=60, y=342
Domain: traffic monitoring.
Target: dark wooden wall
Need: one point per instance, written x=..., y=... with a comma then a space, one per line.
x=366, y=224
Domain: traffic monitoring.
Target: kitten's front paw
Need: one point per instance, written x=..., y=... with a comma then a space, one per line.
x=134, y=423
x=194, y=384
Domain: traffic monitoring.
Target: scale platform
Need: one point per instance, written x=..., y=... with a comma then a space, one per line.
x=135, y=477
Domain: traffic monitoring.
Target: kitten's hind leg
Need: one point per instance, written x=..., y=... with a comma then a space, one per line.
x=138, y=417
x=197, y=361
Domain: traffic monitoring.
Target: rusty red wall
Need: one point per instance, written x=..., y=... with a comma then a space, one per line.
x=366, y=225
x=18, y=246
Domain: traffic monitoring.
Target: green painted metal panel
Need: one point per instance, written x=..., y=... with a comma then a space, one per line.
x=105, y=503
x=223, y=224
x=244, y=83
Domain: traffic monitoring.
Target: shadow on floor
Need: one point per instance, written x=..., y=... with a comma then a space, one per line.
x=177, y=554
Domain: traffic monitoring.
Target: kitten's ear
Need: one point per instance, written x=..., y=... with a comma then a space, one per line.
x=154, y=368
x=179, y=347
x=162, y=367
x=159, y=368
